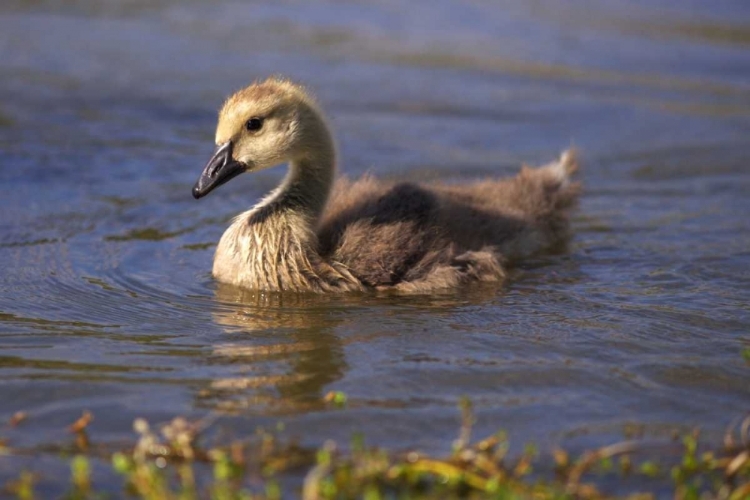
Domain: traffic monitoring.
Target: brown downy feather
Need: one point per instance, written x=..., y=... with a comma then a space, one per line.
x=373, y=234
x=418, y=238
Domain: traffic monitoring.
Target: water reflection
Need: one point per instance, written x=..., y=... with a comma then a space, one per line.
x=283, y=348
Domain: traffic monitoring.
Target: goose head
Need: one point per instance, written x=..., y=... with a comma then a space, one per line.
x=260, y=126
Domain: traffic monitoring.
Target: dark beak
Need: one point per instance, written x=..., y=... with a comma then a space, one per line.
x=220, y=168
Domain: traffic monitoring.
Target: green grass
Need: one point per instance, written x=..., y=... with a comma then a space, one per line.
x=174, y=461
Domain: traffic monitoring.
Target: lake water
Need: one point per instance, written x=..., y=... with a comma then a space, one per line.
x=106, y=299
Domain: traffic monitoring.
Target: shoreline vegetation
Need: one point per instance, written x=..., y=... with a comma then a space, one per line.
x=177, y=461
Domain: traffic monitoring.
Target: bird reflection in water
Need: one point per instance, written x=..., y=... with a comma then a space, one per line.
x=282, y=349
x=280, y=352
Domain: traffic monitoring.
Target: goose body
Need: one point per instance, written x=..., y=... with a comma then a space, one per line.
x=321, y=234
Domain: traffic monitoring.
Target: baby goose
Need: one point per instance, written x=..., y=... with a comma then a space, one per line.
x=316, y=234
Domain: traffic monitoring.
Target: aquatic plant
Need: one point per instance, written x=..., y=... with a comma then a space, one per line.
x=175, y=461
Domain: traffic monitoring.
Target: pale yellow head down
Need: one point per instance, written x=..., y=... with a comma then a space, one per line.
x=287, y=117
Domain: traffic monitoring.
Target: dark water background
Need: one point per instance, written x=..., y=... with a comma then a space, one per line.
x=107, y=112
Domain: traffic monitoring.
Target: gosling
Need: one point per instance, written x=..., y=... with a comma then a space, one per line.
x=317, y=234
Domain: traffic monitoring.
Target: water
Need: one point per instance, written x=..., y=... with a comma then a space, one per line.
x=106, y=299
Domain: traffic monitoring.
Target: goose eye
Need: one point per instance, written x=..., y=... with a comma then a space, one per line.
x=254, y=124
